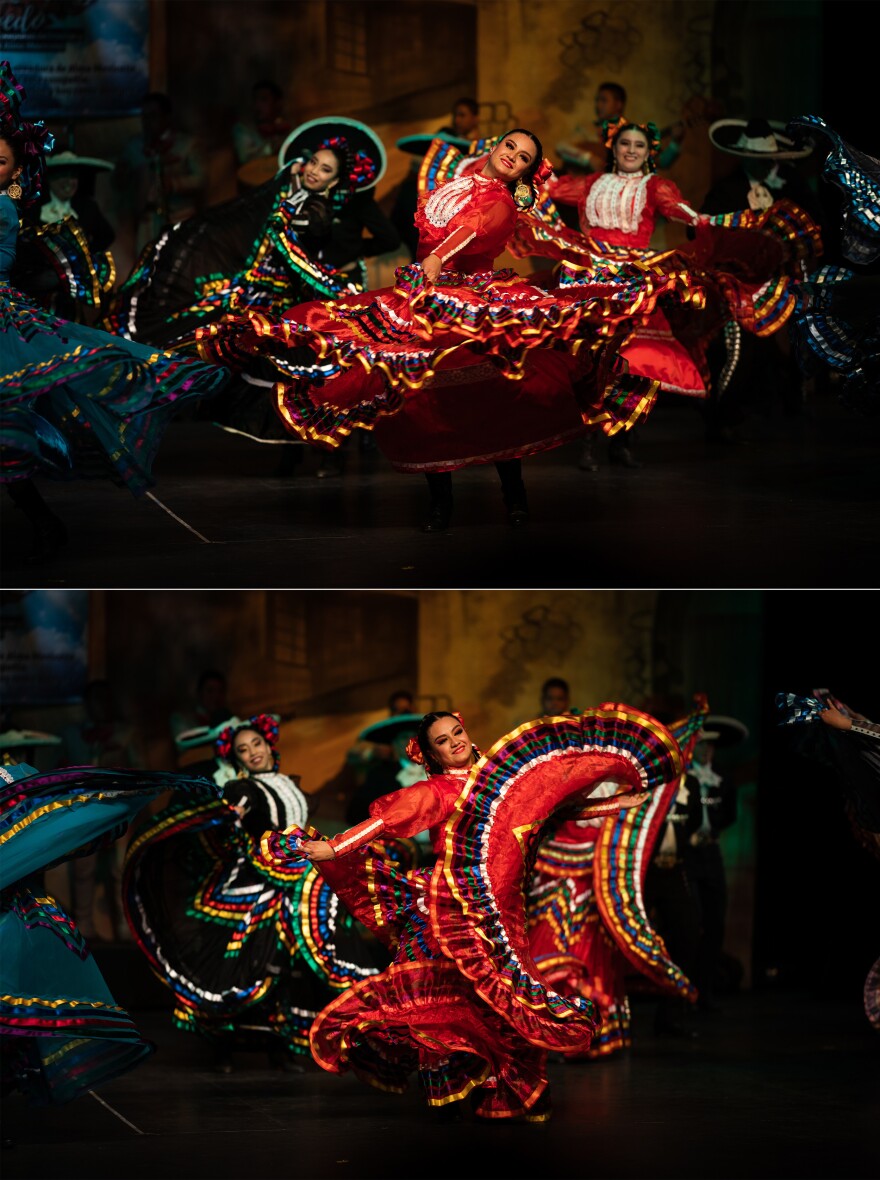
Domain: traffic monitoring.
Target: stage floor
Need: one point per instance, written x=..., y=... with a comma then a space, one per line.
x=795, y=507
x=778, y=1085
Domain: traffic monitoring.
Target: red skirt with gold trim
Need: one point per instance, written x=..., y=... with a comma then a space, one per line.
x=475, y=368
x=463, y=1002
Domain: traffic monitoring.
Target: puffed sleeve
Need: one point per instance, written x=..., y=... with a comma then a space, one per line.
x=671, y=204
x=493, y=219
x=402, y=813
x=567, y=190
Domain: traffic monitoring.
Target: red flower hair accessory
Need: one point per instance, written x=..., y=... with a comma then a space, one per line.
x=542, y=173
x=359, y=167
x=31, y=140
x=413, y=751
x=262, y=723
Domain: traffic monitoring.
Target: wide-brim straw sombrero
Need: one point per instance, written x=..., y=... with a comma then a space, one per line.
x=72, y=160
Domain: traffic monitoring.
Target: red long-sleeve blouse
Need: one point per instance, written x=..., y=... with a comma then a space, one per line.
x=622, y=208
x=470, y=219
x=426, y=805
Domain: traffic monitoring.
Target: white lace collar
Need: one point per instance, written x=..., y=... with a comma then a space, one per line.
x=451, y=198
x=617, y=201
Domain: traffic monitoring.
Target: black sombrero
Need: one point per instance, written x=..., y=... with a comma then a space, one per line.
x=756, y=139
x=723, y=731
x=365, y=148
x=417, y=145
x=207, y=735
x=386, y=731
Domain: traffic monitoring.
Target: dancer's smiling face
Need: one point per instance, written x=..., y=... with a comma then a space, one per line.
x=630, y=150
x=253, y=752
x=513, y=155
x=450, y=743
x=10, y=169
x=321, y=172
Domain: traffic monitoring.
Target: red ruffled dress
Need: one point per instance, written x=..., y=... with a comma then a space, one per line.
x=463, y=1002
x=481, y=366
x=572, y=946
x=588, y=926
x=749, y=276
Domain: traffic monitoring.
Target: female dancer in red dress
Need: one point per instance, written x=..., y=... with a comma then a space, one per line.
x=459, y=364
x=462, y=1002
x=748, y=277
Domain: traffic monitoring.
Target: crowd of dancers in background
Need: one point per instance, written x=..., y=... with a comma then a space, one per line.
x=256, y=311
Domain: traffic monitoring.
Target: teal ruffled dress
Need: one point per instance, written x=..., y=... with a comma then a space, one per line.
x=62, y=1033
x=75, y=401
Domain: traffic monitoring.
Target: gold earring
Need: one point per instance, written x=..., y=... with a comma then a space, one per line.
x=14, y=190
x=521, y=193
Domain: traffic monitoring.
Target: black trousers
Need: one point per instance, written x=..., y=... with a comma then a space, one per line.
x=674, y=910
x=705, y=870
x=509, y=472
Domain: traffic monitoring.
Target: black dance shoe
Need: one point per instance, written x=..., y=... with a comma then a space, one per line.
x=675, y=1028
x=437, y=520
x=517, y=508
x=724, y=436
x=280, y=1058
x=449, y=1112
x=49, y=535
x=222, y=1063
x=623, y=457
x=587, y=461
x=517, y=503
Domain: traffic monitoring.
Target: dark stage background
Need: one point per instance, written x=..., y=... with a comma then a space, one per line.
x=817, y=911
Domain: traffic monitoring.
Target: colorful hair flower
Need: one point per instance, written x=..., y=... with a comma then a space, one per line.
x=262, y=723
x=542, y=173
x=611, y=128
x=31, y=141
x=413, y=751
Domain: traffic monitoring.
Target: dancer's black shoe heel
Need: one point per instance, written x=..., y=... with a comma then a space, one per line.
x=437, y=520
